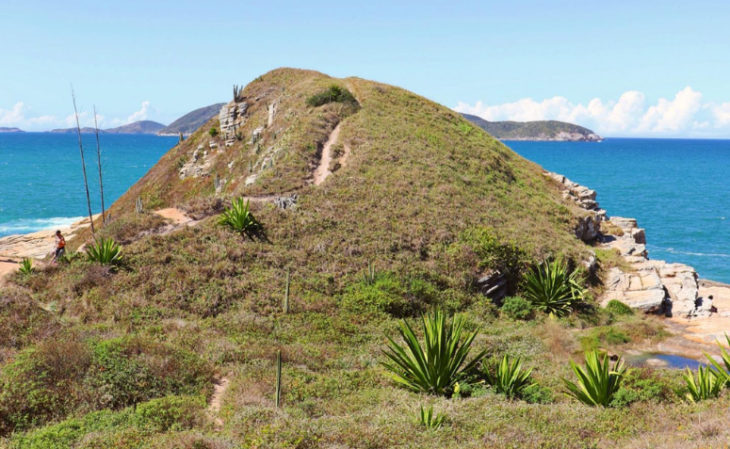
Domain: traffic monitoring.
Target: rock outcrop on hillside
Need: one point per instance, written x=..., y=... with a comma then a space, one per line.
x=649, y=285
x=588, y=225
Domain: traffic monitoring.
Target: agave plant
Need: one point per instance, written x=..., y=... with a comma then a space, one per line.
x=105, y=252
x=26, y=266
x=429, y=420
x=709, y=383
x=436, y=365
x=240, y=219
x=552, y=289
x=508, y=378
x=597, y=382
x=720, y=370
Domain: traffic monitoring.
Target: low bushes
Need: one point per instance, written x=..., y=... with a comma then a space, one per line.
x=60, y=377
x=333, y=94
x=517, y=308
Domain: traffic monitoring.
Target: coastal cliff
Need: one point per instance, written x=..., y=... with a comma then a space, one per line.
x=643, y=284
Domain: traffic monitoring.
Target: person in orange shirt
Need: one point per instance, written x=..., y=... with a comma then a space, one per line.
x=60, y=246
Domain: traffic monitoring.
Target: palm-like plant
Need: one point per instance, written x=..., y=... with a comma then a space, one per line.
x=719, y=369
x=552, y=289
x=26, y=266
x=509, y=378
x=709, y=383
x=597, y=382
x=240, y=219
x=105, y=252
x=429, y=420
x=436, y=365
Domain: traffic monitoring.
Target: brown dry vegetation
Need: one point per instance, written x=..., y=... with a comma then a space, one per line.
x=420, y=183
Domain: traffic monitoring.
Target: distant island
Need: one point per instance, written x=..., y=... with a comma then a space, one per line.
x=11, y=130
x=188, y=123
x=538, y=130
x=141, y=127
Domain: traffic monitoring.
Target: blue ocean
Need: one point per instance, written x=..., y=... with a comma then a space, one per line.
x=41, y=180
x=676, y=189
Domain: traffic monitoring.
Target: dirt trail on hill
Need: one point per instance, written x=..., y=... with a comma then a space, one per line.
x=219, y=389
x=323, y=171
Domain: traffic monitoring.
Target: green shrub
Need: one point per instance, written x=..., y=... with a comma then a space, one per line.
x=104, y=251
x=709, y=383
x=616, y=307
x=333, y=94
x=430, y=421
x=213, y=132
x=239, y=218
x=552, y=289
x=537, y=394
x=508, y=378
x=171, y=413
x=439, y=363
x=597, y=382
x=517, y=308
x=495, y=254
x=26, y=266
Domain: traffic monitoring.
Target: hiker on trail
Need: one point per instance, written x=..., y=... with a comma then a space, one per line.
x=60, y=247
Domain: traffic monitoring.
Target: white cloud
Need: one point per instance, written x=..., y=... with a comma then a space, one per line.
x=721, y=114
x=684, y=115
x=139, y=115
x=20, y=116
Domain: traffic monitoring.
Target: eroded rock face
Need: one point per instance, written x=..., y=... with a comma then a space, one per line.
x=589, y=225
x=649, y=285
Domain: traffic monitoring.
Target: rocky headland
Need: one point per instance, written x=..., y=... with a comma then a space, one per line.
x=698, y=309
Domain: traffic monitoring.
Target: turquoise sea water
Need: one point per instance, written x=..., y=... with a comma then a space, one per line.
x=678, y=190
x=41, y=181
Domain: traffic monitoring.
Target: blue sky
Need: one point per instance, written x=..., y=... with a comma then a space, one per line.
x=629, y=68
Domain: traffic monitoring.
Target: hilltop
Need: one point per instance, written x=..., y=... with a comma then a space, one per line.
x=140, y=127
x=188, y=123
x=537, y=130
x=377, y=205
x=11, y=130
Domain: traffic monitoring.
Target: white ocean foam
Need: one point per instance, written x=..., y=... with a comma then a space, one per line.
x=689, y=253
x=27, y=225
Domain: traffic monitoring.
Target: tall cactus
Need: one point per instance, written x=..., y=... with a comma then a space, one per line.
x=278, y=378
x=286, y=292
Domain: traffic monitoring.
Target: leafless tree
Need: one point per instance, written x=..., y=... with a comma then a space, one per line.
x=83, y=163
x=98, y=162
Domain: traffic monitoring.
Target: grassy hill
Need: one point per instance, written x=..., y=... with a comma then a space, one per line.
x=188, y=123
x=423, y=205
x=537, y=130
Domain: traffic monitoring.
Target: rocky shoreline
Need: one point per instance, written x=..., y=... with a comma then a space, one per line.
x=672, y=290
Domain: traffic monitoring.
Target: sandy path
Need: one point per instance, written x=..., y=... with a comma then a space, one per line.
x=323, y=171
x=219, y=389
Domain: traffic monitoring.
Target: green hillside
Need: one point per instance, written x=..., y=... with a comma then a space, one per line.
x=537, y=130
x=420, y=206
